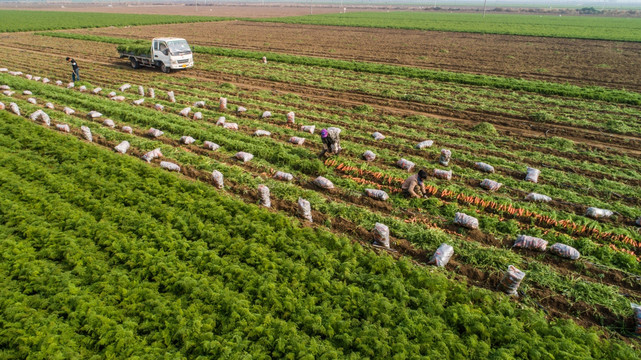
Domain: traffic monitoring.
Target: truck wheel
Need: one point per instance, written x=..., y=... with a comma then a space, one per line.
x=134, y=63
x=164, y=68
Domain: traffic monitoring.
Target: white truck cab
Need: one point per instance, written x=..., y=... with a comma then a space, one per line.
x=173, y=53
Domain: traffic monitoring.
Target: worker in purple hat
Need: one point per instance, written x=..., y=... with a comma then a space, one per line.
x=331, y=141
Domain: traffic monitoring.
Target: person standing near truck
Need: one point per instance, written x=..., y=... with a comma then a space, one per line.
x=75, y=74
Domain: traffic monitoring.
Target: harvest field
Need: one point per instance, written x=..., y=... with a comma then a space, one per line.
x=105, y=255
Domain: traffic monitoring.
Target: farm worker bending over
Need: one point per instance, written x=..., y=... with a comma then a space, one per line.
x=410, y=184
x=331, y=140
x=75, y=74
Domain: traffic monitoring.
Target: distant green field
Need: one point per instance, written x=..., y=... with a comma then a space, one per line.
x=582, y=27
x=19, y=20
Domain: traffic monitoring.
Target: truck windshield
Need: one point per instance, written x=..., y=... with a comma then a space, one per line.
x=179, y=47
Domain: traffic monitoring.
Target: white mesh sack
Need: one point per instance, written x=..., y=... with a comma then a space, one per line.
x=378, y=136
x=244, y=156
x=86, y=133
x=511, y=280
x=490, y=185
x=442, y=255
x=446, y=156
x=94, y=114
x=377, y=194
x=596, y=213
x=530, y=242
x=565, y=251
x=308, y=128
x=405, y=164
x=169, y=166
x=380, y=233
x=532, y=175
x=264, y=196
x=280, y=175
x=305, y=209
x=63, y=127
x=218, y=179
x=369, y=156
x=154, y=132
x=296, y=140
x=424, y=144
x=484, y=167
x=14, y=108
x=262, y=133
x=465, y=220
x=153, y=154
x=443, y=174
x=538, y=197
x=210, y=145
x=187, y=140
x=122, y=147
x=323, y=182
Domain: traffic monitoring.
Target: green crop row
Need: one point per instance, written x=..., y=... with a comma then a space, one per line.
x=486, y=258
x=533, y=86
x=135, y=48
x=26, y=20
x=581, y=27
x=104, y=256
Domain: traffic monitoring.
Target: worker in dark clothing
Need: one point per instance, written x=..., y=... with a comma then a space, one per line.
x=413, y=187
x=75, y=74
x=331, y=141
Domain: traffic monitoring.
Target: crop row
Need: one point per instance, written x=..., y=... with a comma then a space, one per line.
x=21, y=20
x=398, y=173
x=580, y=27
x=337, y=208
x=421, y=75
x=213, y=276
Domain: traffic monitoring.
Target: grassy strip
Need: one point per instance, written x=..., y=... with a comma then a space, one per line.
x=540, y=87
x=23, y=20
x=600, y=28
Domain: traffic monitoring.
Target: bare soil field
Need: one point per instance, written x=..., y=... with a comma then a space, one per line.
x=585, y=62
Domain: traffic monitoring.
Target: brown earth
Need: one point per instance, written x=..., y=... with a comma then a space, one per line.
x=594, y=62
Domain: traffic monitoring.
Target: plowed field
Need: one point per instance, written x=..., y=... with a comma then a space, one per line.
x=588, y=151
x=605, y=63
